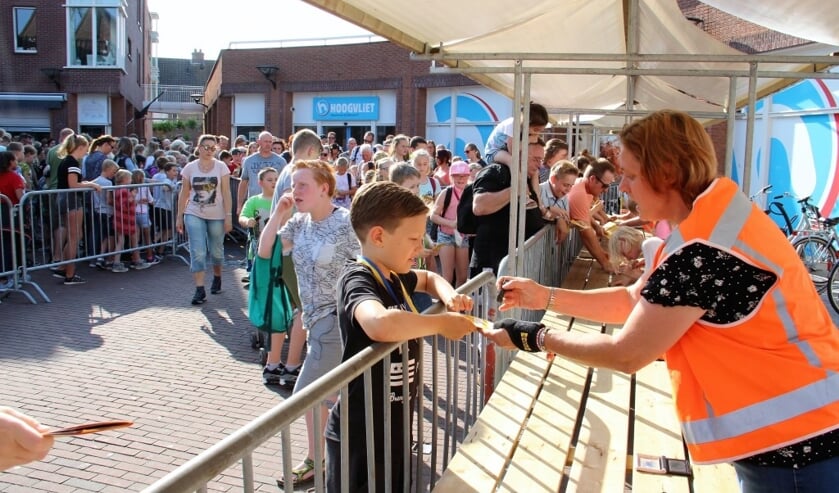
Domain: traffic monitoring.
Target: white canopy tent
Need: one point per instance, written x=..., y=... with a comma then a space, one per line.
x=610, y=57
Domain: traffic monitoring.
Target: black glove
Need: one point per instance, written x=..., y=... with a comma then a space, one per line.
x=523, y=334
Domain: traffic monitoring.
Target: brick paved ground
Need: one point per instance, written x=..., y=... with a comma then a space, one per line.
x=130, y=346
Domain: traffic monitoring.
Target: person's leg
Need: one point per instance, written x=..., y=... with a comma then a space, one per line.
x=325, y=349
x=758, y=479
x=461, y=262
x=197, y=233
x=296, y=340
x=134, y=238
x=821, y=477
x=74, y=231
x=272, y=373
x=215, y=235
x=447, y=262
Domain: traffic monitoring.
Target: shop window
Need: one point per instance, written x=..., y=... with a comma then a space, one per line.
x=25, y=33
x=96, y=33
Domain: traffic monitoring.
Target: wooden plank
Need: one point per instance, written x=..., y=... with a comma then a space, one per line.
x=577, y=276
x=483, y=456
x=539, y=460
x=599, y=462
x=719, y=478
x=657, y=430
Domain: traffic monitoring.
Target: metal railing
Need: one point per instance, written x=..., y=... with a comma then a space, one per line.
x=547, y=263
x=438, y=425
x=42, y=237
x=11, y=277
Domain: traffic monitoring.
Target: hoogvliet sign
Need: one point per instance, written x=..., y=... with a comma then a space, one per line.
x=346, y=108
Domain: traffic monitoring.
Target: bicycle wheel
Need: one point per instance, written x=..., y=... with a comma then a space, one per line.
x=818, y=256
x=833, y=288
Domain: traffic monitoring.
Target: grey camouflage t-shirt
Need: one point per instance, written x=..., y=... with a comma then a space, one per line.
x=320, y=251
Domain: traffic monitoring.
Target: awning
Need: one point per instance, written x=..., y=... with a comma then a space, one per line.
x=651, y=58
x=49, y=100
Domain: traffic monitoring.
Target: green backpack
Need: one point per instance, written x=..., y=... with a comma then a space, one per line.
x=269, y=303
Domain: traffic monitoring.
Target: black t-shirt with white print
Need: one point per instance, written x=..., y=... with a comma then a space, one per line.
x=356, y=285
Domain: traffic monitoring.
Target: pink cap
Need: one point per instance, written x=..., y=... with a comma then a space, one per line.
x=459, y=168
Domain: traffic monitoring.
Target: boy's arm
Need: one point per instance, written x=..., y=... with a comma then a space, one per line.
x=393, y=325
x=246, y=215
x=435, y=285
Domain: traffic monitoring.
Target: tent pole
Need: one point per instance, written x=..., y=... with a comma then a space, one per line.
x=729, y=131
x=514, y=165
x=750, y=129
x=522, y=172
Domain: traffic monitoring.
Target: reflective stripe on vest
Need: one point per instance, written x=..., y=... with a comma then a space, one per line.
x=712, y=437
x=765, y=413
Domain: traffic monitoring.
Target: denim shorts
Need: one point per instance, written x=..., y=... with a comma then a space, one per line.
x=143, y=220
x=204, y=235
x=445, y=238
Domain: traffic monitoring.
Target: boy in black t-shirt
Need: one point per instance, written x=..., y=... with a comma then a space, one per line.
x=374, y=305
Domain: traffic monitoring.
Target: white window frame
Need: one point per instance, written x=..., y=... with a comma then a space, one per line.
x=120, y=36
x=15, y=28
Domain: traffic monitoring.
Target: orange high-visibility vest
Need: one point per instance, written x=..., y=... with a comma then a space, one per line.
x=770, y=379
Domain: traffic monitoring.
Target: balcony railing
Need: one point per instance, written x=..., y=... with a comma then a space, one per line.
x=171, y=94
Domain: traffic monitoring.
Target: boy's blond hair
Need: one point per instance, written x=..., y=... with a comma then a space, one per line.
x=385, y=204
x=623, y=235
x=122, y=175
x=109, y=164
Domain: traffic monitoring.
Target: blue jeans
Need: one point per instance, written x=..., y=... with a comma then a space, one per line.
x=204, y=234
x=820, y=477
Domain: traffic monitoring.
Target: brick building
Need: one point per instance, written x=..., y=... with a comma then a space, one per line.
x=348, y=89
x=79, y=64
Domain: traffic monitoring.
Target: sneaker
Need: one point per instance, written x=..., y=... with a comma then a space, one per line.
x=289, y=377
x=200, y=296
x=10, y=283
x=141, y=265
x=59, y=273
x=71, y=281
x=119, y=267
x=216, y=287
x=153, y=260
x=273, y=377
x=102, y=265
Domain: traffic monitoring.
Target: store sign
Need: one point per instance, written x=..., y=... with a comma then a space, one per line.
x=346, y=108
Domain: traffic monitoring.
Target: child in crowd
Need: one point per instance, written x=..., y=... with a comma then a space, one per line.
x=103, y=210
x=345, y=185
x=500, y=142
x=164, y=200
x=454, y=248
x=406, y=176
x=125, y=222
x=628, y=250
x=374, y=305
x=145, y=201
x=254, y=215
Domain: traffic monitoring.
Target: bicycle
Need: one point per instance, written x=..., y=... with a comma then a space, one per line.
x=818, y=251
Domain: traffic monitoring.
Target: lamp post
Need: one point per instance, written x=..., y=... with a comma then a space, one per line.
x=199, y=99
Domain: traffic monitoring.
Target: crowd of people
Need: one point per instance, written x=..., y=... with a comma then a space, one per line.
x=369, y=235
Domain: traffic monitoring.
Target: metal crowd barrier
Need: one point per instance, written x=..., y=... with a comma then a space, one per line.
x=438, y=425
x=546, y=263
x=11, y=242
x=42, y=217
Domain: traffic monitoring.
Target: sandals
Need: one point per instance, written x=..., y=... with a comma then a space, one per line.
x=301, y=474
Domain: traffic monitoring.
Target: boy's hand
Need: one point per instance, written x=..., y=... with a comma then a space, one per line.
x=456, y=326
x=286, y=201
x=459, y=303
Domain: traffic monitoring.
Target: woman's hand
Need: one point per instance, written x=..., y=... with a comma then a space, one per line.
x=179, y=225
x=519, y=292
x=228, y=223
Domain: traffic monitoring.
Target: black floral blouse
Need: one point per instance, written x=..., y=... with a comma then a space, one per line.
x=729, y=289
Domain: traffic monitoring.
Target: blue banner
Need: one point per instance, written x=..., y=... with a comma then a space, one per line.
x=346, y=108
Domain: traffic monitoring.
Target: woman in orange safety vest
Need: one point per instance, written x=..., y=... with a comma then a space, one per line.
x=752, y=352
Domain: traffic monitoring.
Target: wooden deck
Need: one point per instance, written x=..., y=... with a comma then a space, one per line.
x=556, y=425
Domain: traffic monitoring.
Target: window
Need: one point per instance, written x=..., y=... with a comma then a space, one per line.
x=96, y=33
x=25, y=33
